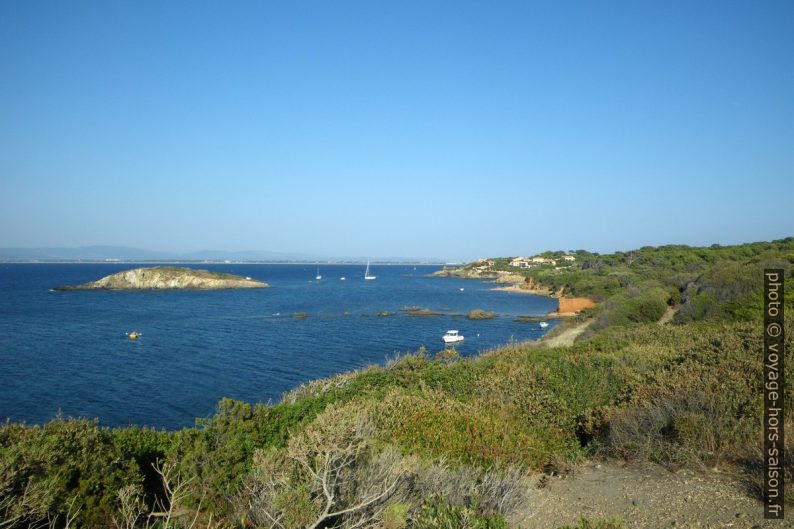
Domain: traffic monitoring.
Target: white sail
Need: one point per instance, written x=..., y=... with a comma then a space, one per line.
x=366, y=273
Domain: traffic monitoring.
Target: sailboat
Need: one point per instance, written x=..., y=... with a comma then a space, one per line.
x=318, y=277
x=366, y=273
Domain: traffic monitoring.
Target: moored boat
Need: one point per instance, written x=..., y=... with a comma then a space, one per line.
x=367, y=274
x=452, y=336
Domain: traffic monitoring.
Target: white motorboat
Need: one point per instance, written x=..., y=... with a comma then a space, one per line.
x=342, y=278
x=543, y=324
x=452, y=337
x=318, y=276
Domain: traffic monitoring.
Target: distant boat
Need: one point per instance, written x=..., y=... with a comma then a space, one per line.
x=543, y=325
x=318, y=276
x=452, y=337
x=366, y=273
x=461, y=289
x=342, y=278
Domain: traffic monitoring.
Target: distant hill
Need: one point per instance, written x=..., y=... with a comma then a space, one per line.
x=124, y=253
x=84, y=253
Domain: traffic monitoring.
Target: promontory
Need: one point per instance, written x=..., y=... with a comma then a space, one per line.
x=168, y=278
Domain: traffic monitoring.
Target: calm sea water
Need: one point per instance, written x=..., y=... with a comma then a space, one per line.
x=68, y=351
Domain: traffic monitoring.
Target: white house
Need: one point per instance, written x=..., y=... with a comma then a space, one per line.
x=543, y=260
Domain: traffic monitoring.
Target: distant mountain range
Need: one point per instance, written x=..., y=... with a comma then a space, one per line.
x=123, y=253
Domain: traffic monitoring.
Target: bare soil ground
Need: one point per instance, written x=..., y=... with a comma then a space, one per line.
x=575, y=304
x=566, y=337
x=645, y=496
x=667, y=317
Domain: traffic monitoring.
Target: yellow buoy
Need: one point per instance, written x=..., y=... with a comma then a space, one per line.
x=133, y=335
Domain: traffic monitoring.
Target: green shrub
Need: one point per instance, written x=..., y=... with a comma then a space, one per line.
x=63, y=467
x=395, y=516
x=433, y=425
x=635, y=305
x=732, y=292
x=437, y=514
x=697, y=401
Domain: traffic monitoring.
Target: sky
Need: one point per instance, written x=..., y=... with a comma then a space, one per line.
x=423, y=129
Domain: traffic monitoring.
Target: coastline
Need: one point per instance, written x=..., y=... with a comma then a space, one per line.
x=271, y=316
x=211, y=262
x=539, y=292
x=534, y=292
x=510, y=283
x=487, y=394
x=566, y=308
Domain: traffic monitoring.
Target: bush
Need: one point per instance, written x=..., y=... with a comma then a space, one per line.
x=437, y=514
x=395, y=516
x=64, y=468
x=696, y=402
x=635, y=305
x=433, y=425
x=732, y=292
x=329, y=471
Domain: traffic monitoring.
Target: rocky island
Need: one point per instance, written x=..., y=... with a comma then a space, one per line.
x=167, y=278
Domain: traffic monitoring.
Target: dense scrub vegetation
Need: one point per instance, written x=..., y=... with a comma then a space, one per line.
x=721, y=270
x=441, y=441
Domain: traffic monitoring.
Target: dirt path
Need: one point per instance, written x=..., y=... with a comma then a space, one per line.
x=645, y=496
x=566, y=337
x=667, y=317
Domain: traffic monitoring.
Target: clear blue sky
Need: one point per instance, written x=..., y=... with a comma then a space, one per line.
x=451, y=129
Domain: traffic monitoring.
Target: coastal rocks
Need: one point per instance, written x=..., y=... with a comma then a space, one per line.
x=529, y=319
x=464, y=273
x=525, y=285
x=416, y=311
x=167, y=278
x=508, y=278
x=424, y=312
x=479, y=314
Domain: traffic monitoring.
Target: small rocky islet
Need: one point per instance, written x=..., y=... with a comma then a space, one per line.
x=167, y=278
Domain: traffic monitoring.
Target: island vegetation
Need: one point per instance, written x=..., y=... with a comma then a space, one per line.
x=666, y=371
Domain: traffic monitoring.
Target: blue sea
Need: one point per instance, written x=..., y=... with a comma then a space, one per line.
x=68, y=352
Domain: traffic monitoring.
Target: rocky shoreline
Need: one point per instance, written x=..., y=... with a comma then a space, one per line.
x=523, y=285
